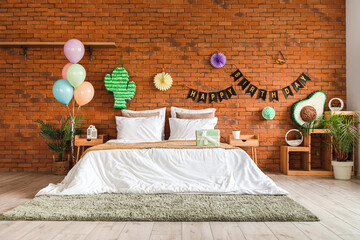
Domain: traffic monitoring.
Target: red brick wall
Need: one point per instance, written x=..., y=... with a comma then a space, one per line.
x=179, y=35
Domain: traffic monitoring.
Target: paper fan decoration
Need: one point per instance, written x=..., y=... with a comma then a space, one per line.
x=268, y=113
x=218, y=60
x=163, y=81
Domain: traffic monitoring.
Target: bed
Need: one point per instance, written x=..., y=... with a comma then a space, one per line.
x=130, y=165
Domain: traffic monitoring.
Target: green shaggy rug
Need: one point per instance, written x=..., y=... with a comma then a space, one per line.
x=161, y=207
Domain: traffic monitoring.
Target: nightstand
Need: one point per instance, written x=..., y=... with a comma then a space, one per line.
x=82, y=142
x=251, y=141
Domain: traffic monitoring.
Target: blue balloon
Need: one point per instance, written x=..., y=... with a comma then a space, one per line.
x=63, y=91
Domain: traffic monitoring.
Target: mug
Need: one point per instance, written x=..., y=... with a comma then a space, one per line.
x=236, y=134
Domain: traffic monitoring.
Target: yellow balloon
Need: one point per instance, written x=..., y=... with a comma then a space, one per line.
x=84, y=93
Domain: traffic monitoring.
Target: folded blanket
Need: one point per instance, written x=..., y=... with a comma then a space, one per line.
x=178, y=144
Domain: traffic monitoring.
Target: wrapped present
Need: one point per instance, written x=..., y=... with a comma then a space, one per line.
x=208, y=137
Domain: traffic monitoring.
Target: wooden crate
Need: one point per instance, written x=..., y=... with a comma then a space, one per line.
x=325, y=152
x=285, y=160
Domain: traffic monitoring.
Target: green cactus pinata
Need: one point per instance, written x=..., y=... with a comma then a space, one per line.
x=118, y=83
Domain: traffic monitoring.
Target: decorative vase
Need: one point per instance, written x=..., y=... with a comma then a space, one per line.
x=60, y=168
x=342, y=170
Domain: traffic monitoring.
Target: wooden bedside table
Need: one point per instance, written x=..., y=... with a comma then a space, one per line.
x=246, y=141
x=81, y=141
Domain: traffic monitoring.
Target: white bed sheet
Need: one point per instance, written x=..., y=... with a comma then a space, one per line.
x=156, y=170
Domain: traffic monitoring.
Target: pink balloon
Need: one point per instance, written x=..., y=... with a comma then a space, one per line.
x=63, y=73
x=84, y=93
x=74, y=50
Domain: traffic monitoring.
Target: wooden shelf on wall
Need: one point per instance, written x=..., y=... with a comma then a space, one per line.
x=25, y=45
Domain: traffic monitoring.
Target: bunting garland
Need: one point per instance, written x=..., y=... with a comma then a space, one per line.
x=252, y=89
x=202, y=97
x=249, y=88
x=297, y=85
x=300, y=82
x=224, y=94
x=237, y=74
x=192, y=94
x=262, y=94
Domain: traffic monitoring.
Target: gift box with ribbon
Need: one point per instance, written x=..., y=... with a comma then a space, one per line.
x=208, y=137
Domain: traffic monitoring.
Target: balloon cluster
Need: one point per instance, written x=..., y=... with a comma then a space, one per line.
x=73, y=75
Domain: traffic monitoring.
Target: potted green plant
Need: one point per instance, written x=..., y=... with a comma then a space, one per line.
x=60, y=138
x=344, y=136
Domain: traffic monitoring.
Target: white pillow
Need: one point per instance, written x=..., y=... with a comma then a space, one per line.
x=144, y=129
x=162, y=112
x=191, y=111
x=184, y=129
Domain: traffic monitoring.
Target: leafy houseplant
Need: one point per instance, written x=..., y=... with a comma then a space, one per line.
x=343, y=131
x=60, y=136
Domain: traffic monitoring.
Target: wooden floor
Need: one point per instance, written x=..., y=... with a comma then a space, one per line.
x=336, y=203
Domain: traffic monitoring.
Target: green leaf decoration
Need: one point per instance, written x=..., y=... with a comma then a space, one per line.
x=123, y=89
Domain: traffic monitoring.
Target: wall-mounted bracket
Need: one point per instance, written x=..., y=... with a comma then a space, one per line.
x=91, y=52
x=25, y=52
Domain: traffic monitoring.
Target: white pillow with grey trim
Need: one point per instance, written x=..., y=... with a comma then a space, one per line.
x=184, y=129
x=161, y=111
x=143, y=129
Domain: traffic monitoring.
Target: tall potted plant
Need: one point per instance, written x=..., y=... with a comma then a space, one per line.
x=344, y=136
x=60, y=138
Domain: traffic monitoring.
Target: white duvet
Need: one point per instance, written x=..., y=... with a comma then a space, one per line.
x=159, y=170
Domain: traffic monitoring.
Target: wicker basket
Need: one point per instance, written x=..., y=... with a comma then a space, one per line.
x=60, y=168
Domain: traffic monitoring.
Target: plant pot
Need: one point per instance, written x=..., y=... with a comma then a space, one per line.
x=60, y=168
x=342, y=170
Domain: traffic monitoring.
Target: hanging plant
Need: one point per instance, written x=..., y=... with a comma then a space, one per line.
x=163, y=81
x=218, y=60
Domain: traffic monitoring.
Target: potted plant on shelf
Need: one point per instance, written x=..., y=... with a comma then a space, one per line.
x=60, y=138
x=344, y=136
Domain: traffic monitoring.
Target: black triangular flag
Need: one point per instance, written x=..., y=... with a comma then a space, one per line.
x=303, y=78
x=230, y=91
x=222, y=95
x=297, y=85
x=192, y=94
x=237, y=74
x=202, y=97
x=243, y=83
x=261, y=94
x=252, y=89
x=213, y=97
x=306, y=77
x=274, y=96
x=287, y=91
